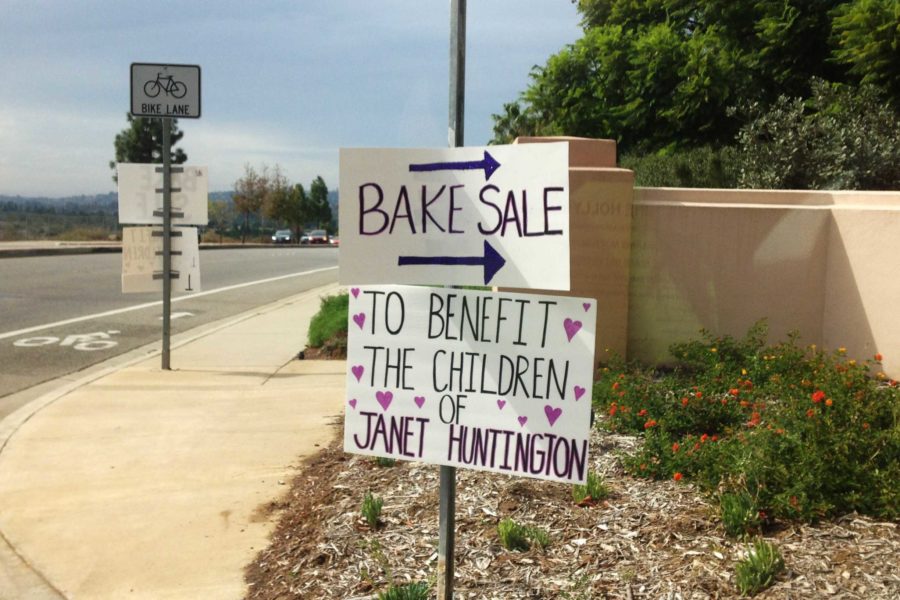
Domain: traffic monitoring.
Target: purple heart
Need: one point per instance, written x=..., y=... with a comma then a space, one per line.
x=587, y=306
x=359, y=319
x=358, y=371
x=571, y=327
x=419, y=400
x=501, y=403
x=352, y=403
x=552, y=414
x=579, y=392
x=384, y=399
x=522, y=421
x=355, y=292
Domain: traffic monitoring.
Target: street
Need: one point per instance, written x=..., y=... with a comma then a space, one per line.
x=62, y=314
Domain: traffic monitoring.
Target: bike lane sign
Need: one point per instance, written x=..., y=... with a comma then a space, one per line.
x=160, y=90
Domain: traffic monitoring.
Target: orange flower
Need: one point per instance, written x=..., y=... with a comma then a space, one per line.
x=642, y=412
x=734, y=392
x=677, y=477
x=818, y=396
x=649, y=424
x=878, y=357
x=684, y=401
x=810, y=413
x=698, y=394
x=704, y=437
x=615, y=385
x=714, y=438
x=865, y=425
x=612, y=409
x=828, y=402
x=675, y=447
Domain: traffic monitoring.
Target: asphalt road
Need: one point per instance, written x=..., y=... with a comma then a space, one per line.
x=62, y=314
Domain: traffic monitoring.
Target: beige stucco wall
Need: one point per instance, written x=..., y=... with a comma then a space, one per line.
x=821, y=263
x=600, y=213
x=664, y=263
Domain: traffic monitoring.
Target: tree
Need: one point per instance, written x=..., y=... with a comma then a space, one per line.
x=221, y=216
x=286, y=203
x=320, y=210
x=867, y=37
x=141, y=142
x=663, y=74
x=249, y=195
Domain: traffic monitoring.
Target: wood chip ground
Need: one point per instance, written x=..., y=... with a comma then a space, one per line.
x=650, y=539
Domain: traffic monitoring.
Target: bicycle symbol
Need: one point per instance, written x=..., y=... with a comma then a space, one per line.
x=87, y=342
x=166, y=84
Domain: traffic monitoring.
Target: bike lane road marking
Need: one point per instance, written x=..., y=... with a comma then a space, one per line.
x=118, y=311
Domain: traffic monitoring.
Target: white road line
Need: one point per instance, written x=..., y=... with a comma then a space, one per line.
x=117, y=311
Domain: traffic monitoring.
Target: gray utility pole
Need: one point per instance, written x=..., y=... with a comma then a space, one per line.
x=447, y=515
x=167, y=241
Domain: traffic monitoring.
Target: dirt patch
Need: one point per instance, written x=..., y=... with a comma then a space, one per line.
x=650, y=539
x=333, y=349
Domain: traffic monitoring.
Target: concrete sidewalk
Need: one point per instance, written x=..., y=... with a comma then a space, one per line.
x=143, y=483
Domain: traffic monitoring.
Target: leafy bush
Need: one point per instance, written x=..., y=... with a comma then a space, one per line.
x=520, y=537
x=331, y=320
x=593, y=491
x=410, y=591
x=383, y=461
x=840, y=138
x=804, y=432
x=704, y=167
x=759, y=570
x=371, y=509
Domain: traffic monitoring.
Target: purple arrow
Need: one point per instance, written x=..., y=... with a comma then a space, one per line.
x=488, y=163
x=491, y=261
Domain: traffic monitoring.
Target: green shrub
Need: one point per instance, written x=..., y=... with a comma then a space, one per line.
x=409, y=591
x=520, y=537
x=704, y=167
x=371, y=509
x=738, y=513
x=594, y=490
x=759, y=570
x=383, y=461
x=841, y=137
x=512, y=535
x=805, y=432
x=330, y=321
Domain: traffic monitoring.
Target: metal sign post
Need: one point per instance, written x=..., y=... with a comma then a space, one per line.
x=165, y=92
x=167, y=241
x=447, y=511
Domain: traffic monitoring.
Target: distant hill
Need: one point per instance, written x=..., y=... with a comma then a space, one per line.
x=101, y=203
x=97, y=204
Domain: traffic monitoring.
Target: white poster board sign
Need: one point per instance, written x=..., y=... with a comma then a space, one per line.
x=139, y=199
x=480, y=380
x=496, y=215
x=142, y=261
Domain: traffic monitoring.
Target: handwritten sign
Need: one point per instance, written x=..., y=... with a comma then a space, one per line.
x=141, y=199
x=142, y=260
x=481, y=380
x=495, y=215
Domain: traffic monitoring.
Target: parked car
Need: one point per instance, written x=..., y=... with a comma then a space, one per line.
x=283, y=236
x=334, y=241
x=317, y=236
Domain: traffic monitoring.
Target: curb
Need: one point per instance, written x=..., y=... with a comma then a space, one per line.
x=63, y=250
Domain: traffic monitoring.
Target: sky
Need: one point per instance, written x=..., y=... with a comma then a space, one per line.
x=283, y=82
